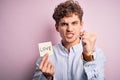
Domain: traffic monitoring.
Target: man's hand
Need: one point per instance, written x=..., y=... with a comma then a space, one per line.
x=88, y=42
x=46, y=67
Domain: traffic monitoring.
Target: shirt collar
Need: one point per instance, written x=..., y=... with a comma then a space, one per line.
x=76, y=48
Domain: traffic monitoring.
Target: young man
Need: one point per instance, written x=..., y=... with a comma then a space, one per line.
x=75, y=58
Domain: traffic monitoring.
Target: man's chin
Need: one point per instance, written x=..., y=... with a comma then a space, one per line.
x=70, y=40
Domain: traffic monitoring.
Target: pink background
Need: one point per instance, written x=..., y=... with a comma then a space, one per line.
x=25, y=23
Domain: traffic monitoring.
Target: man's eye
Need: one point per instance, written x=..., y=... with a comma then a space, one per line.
x=63, y=24
x=74, y=23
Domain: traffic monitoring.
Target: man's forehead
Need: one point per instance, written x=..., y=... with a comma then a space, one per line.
x=70, y=18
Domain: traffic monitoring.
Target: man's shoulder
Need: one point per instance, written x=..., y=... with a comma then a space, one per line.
x=56, y=46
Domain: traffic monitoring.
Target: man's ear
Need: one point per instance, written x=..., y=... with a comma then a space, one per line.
x=81, y=23
x=56, y=26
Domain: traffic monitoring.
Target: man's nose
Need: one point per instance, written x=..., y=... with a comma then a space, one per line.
x=69, y=28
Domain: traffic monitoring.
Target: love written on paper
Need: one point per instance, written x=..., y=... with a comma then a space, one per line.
x=45, y=47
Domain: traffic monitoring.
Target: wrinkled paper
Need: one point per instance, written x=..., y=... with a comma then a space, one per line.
x=45, y=47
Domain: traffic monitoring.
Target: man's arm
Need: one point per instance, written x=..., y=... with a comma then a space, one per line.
x=93, y=57
x=95, y=69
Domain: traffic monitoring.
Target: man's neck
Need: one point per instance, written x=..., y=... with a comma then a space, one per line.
x=68, y=45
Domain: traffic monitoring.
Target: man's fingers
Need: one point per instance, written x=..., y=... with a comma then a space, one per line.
x=52, y=69
x=85, y=41
x=45, y=57
x=82, y=33
x=47, y=67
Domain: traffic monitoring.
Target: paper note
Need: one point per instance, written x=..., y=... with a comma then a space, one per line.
x=45, y=47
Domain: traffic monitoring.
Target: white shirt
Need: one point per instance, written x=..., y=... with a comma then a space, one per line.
x=68, y=65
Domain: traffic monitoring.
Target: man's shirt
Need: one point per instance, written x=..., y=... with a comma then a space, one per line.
x=69, y=65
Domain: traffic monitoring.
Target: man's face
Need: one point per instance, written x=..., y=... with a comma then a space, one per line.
x=69, y=29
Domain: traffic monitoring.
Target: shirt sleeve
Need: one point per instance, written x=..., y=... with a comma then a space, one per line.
x=95, y=69
x=38, y=74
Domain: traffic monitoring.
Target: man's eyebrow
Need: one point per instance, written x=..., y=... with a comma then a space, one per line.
x=75, y=21
x=63, y=23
